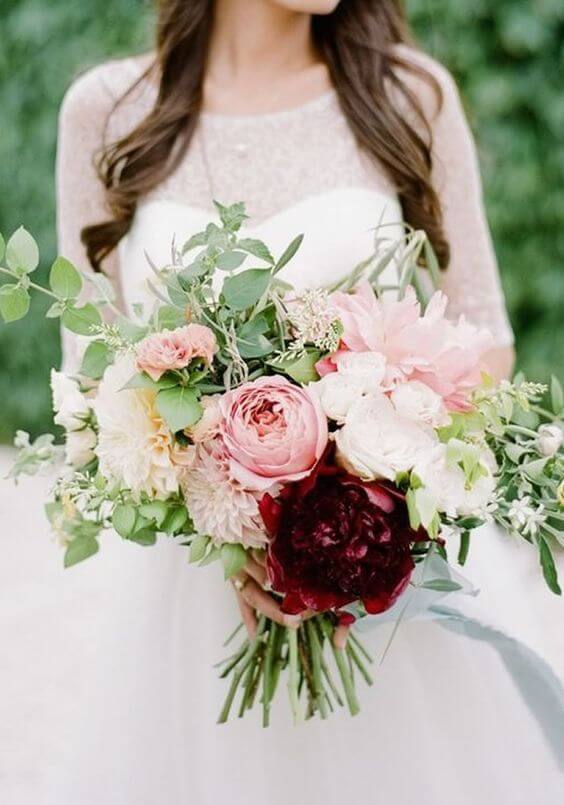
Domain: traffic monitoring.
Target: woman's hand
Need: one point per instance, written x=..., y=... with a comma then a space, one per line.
x=252, y=597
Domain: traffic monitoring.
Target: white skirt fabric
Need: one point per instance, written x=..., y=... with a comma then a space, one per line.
x=108, y=694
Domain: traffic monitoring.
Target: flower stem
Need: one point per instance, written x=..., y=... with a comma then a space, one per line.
x=248, y=657
x=293, y=677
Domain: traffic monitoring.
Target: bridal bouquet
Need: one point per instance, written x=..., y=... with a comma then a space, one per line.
x=339, y=437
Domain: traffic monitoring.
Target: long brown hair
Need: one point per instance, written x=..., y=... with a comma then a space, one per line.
x=357, y=43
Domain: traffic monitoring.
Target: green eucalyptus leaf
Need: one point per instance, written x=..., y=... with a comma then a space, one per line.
x=212, y=556
x=144, y=537
x=143, y=381
x=179, y=407
x=257, y=248
x=229, y=261
x=198, y=548
x=14, y=302
x=257, y=346
x=64, y=279
x=233, y=558
x=245, y=289
x=441, y=585
x=79, y=549
x=169, y=318
x=81, y=320
x=176, y=520
x=233, y=216
x=549, y=570
x=155, y=511
x=131, y=331
x=289, y=253
x=301, y=369
x=97, y=357
x=55, y=310
x=197, y=240
x=124, y=518
x=22, y=252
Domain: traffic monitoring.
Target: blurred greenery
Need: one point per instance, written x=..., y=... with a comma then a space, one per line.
x=508, y=57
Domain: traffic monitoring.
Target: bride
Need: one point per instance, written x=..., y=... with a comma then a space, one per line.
x=322, y=117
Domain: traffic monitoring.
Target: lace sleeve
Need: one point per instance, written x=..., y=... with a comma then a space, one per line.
x=80, y=194
x=472, y=281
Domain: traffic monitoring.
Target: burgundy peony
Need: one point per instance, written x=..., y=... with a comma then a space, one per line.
x=335, y=540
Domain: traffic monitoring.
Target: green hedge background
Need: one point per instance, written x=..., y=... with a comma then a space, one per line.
x=508, y=57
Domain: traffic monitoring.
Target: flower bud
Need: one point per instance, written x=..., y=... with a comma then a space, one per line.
x=549, y=439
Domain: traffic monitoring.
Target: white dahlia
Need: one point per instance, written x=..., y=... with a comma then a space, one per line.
x=135, y=446
x=219, y=506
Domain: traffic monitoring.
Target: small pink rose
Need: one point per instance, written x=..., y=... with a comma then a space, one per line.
x=273, y=431
x=175, y=349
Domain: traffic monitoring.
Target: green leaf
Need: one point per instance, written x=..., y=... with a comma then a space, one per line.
x=199, y=239
x=143, y=381
x=548, y=567
x=130, y=330
x=175, y=520
x=144, y=536
x=229, y=261
x=22, y=252
x=97, y=357
x=198, y=548
x=2, y=247
x=233, y=557
x=79, y=549
x=56, y=310
x=464, y=547
x=246, y=288
x=233, y=216
x=557, y=395
x=257, y=248
x=301, y=369
x=14, y=302
x=213, y=555
x=179, y=407
x=289, y=253
x=64, y=279
x=123, y=519
x=81, y=320
x=169, y=318
x=156, y=511
x=442, y=585
x=254, y=347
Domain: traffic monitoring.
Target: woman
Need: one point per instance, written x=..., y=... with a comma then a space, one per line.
x=323, y=119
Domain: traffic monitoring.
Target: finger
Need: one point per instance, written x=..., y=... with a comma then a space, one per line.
x=267, y=605
x=248, y=615
x=341, y=636
x=257, y=572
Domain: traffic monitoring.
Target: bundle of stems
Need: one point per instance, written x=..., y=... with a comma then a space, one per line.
x=304, y=655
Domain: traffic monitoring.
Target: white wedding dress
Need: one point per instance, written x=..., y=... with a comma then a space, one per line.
x=458, y=713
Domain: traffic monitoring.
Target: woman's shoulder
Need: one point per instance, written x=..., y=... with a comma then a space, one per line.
x=93, y=95
x=423, y=75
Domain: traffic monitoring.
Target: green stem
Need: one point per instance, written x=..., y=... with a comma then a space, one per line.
x=351, y=651
x=315, y=653
x=267, y=676
x=30, y=284
x=293, y=677
x=346, y=679
x=360, y=647
x=247, y=659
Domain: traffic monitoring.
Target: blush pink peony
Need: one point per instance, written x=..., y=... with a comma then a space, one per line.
x=175, y=349
x=445, y=355
x=274, y=432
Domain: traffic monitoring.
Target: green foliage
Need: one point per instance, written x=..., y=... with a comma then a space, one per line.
x=506, y=56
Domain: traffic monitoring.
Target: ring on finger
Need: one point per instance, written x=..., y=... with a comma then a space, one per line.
x=240, y=584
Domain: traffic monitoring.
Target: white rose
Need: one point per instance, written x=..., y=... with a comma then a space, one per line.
x=448, y=485
x=415, y=400
x=549, y=439
x=375, y=442
x=69, y=404
x=358, y=374
x=79, y=447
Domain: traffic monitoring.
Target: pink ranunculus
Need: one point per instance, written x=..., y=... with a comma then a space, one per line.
x=446, y=355
x=273, y=431
x=175, y=349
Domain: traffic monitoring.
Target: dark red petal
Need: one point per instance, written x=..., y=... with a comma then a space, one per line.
x=345, y=618
x=270, y=511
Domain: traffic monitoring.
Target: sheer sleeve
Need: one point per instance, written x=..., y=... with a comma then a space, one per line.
x=80, y=194
x=472, y=281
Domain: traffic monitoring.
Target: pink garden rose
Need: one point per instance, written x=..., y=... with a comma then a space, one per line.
x=274, y=432
x=445, y=355
x=175, y=349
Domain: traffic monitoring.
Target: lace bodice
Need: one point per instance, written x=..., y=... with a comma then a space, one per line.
x=275, y=162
